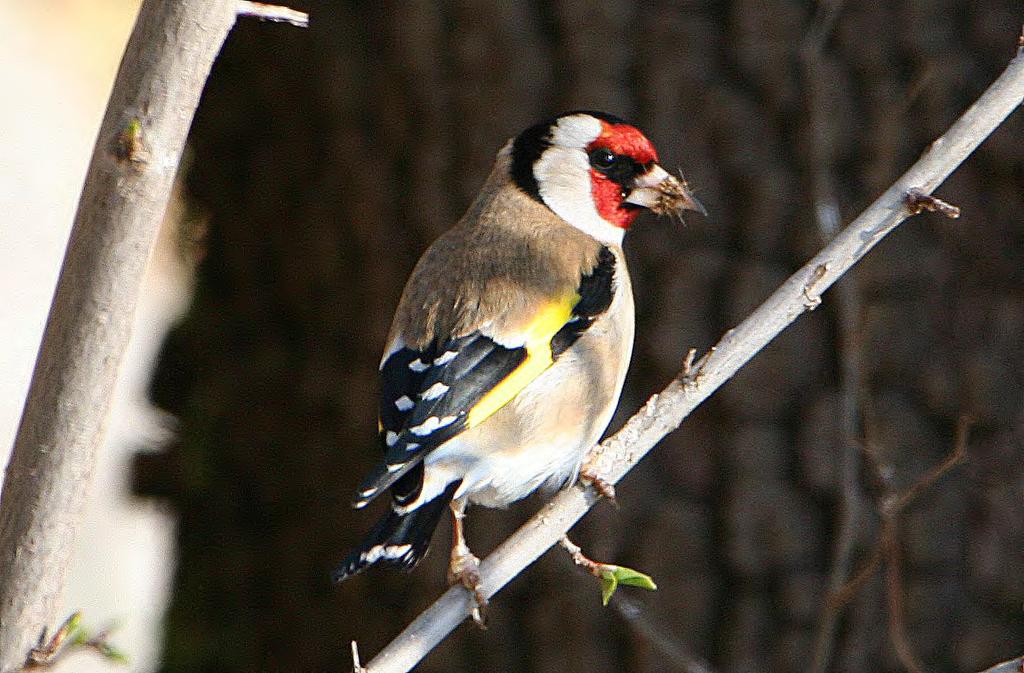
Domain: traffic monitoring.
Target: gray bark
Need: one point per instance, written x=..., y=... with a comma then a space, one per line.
x=127, y=187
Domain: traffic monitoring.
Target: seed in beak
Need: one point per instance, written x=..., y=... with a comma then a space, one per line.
x=664, y=194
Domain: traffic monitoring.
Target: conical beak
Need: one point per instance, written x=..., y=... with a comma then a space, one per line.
x=663, y=193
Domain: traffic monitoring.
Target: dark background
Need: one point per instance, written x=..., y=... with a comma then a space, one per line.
x=326, y=160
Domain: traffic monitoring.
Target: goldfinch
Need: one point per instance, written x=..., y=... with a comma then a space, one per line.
x=507, y=353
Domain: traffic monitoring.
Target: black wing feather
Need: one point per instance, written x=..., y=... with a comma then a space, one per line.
x=478, y=364
x=595, y=292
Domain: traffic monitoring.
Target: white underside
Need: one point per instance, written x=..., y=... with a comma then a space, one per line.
x=495, y=476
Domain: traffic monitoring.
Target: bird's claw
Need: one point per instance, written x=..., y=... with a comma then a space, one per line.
x=464, y=569
x=589, y=474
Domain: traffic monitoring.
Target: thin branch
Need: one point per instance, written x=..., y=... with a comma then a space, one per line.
x=887, y=550
x=68, y=639
x=894, y=599
x=275, y=13
x=892, y=505
x=1013, y=665
x=897, y=505
x=674, y=654
x=665, y=411
x=127, y=187
x=891, y=508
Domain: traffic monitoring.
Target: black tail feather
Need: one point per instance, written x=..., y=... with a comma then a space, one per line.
x=399, y=540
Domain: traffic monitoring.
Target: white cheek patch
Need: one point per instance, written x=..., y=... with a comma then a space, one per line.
x=563, y=178
x=576, y=131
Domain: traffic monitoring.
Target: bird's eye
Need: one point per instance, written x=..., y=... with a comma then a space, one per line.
x=602, y=159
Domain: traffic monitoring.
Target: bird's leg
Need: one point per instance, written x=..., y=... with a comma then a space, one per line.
x=592, y=473
x=464, y=568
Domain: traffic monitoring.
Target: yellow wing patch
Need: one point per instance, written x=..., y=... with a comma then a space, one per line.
x=539, y=333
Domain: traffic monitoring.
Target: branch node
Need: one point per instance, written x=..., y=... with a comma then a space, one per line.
x=592, y=474
x=693, y=372
x=813, y=301
x=688, y=371
x=128, y=146
x=918, y=201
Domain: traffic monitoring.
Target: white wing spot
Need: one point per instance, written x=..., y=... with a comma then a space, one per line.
x=431, y=424
x=435, y=391
x=391, y=552
x=391, y=438
x=404, y=403
x=411, y=446
x=445, y=358
x=418, y=365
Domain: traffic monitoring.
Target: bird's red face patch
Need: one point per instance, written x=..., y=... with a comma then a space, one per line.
x=607, y=187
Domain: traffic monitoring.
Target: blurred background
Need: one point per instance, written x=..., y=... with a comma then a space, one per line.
x=321, y=164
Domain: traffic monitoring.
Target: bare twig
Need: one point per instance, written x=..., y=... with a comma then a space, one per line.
x=48, y=651
x=887, y=550
x=894, y=599
x=666, y=410
x=68, y=638
x=891, y=509
x=674, y=654
x=126, y=191
x=275, y=13
x=963, y=427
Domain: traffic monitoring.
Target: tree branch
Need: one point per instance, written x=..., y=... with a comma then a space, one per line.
x=127, y=187
x=1013, y=665
x=665, y=411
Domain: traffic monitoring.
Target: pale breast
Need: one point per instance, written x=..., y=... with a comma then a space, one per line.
x=541, y=437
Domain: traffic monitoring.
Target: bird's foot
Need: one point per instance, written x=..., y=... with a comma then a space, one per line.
x=464, y=569
x=591, y=473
